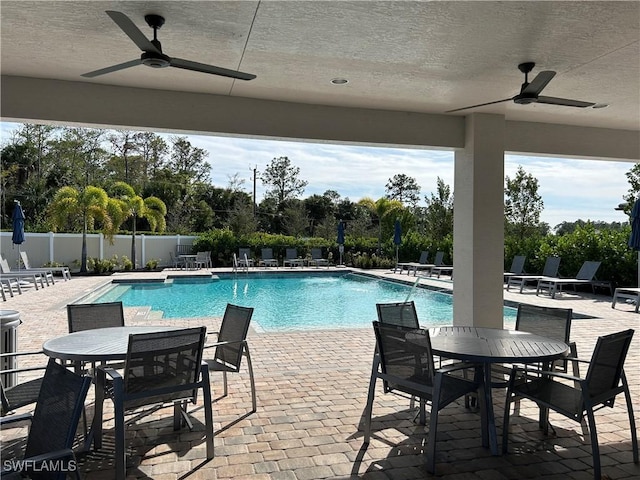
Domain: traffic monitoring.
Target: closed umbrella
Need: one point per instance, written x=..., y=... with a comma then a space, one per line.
x=634, y=239
x=340, y=239
x=397, y=237
x=18, y=226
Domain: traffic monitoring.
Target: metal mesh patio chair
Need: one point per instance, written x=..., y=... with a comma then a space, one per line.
x=176, y=261
x=231, y=346
x=412, y=373
x=554, y=323
x=400, y=313
x=203, y=260
x=23, y=393
x=53, y=424
x=87, y=316
x=604, y=381
x=160, y=368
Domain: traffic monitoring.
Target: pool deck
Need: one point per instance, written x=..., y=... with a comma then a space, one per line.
x=312, y=387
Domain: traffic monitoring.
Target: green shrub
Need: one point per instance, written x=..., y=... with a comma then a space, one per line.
x=98, y=266
x=127, y=265
x=152, y=264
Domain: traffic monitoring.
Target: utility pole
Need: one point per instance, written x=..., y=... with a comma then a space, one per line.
x=255, y=171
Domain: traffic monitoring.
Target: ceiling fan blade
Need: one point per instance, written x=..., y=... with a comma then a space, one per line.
x=480, y=105
x=113, y=68
x=204, y=68
x=564, y=102
x=538, y=83
x=133, y=32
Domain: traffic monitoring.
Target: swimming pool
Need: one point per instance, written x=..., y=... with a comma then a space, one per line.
x=285, y=302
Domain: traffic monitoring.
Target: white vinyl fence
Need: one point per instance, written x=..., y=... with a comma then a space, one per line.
x=66, y=248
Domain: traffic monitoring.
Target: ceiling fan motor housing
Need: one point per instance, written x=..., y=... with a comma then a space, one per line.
x=525, y=98
x=155, y=60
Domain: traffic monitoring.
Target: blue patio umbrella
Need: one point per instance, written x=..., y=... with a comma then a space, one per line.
x=340, y=239
x=634, y=238
x=397, y=236
x=18, y=226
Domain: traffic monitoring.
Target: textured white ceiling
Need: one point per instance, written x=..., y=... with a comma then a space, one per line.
x=425, y=57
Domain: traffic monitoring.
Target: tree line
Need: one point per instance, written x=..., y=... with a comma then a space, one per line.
x=42, y=162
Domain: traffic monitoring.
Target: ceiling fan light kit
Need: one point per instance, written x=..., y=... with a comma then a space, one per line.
x=152, y=55
x=530, y=91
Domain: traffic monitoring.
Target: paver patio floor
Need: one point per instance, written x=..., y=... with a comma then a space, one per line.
x=312, y=387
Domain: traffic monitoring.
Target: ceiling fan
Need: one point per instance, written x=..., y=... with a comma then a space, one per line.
x=530, y=92
x=152, y=55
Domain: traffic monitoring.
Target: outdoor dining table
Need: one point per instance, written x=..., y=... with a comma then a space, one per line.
x=97, y=345
x=485, y=346
x=189, y=261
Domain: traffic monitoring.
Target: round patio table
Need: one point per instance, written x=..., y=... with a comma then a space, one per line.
x=97, y=345
x=485, y=346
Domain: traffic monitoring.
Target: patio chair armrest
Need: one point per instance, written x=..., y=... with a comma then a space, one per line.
x=218, y=344
x=23, y=369
x=20, y=417
x=548, y=373
x=21, y=354
x=455, y=367
x=109, y=371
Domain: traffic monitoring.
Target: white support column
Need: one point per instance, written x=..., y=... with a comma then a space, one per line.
x=478, y=226
x=101, y=246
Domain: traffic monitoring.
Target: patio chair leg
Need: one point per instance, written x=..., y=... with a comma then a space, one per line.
x=632, y=421
x=368, y=409
x=224, y=382
x=121, y=450
x=208, y=411
x=251, y=379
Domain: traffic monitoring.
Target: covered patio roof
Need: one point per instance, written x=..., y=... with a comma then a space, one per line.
x=406, y=65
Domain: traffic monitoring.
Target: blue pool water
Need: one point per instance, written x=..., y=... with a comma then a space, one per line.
x=288, y=302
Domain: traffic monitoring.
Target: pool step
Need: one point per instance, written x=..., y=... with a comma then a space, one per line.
x=155, y=314
x=145, y=313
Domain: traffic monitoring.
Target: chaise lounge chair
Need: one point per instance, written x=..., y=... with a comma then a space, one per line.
x=550, y=269
x=585, y=276
x=630, y=293
x=64, y=271
x=291, y=258
x=423, y=263
x=402, y=266
x=517, y=266
x=317, y=259
x=23, y=276
x=439, y=267
x=268, y=259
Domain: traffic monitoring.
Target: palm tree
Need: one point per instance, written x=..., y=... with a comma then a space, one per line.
x=384, y=210
x=72, y=208
x=132, y=205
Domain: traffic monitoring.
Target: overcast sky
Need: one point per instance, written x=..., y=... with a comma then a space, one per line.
x=571, y=189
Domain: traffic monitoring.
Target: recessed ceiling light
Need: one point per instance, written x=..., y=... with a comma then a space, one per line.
x=600, y=105
x=339, y=81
